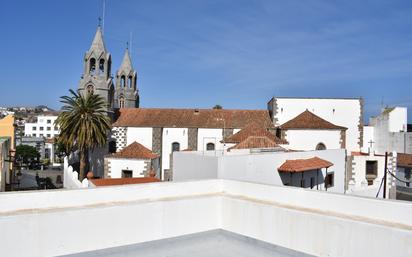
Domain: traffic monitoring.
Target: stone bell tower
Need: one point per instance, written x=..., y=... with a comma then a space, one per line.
x=96, y=78
x=127, y=94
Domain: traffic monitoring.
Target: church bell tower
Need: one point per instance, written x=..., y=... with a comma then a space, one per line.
x=96, y=78
x=127, y=94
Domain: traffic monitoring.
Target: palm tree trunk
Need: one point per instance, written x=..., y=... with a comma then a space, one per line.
x=82, y=165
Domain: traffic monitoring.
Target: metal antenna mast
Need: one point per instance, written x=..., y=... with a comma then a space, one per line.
x=104, y=10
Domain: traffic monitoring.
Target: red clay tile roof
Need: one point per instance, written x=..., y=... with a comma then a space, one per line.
x=253, y=142
x=122, y=181
x=191, y=118
x=253, y=130
x=308, y=120
x=135, y=151
x=404, y=160
x=301, y=165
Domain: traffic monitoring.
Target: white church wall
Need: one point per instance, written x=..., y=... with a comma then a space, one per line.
x=141, y=135
x=341, y=112
x=307, y=140
x=205, y=136
x=116, y=165
x=171, y=135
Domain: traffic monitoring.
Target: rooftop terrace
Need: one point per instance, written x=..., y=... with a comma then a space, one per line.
x=202, y=218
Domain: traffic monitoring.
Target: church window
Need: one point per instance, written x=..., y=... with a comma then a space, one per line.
x=321, y=146
x=101, y=66
x=210, y=147
x=129, y=83
x=122, y=81
x=92, y=65
x=121, y=102
x=90, y=89
x=135, y=82
x=175, y=147
x=109, y=67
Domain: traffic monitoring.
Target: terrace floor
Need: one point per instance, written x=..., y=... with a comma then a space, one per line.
x=216, y=243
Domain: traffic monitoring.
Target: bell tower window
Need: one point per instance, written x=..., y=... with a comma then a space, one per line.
x=92, y=66
x=122, y=81
x=121, y=102
x=101, y=66
x=130, y=82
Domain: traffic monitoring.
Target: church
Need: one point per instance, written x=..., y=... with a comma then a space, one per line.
x=143, y=140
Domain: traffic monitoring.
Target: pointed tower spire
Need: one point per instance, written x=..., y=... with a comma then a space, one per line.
x=98, y=42
x=126, y=65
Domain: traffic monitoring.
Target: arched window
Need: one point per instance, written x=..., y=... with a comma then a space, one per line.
x=135, y=82
x=122, y=81
x=129, y=83
x=101, y=66
x=175, y=147
x=92, y=67
x=210, y=147
x=321, y=146
x=121, y=102
x=90, y=90
x=109, y=67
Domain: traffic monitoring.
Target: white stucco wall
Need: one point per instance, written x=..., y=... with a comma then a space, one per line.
x=387, y=132
x=347, y=114
x=171, y=135
x=284, y=216
x=398, y=119
x=205, y=136
x=141, y=135
x=307, y=140
x=257, y=167
x=368, y=136
x=116, y=165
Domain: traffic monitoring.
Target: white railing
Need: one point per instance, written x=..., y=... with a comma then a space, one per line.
x=71, y=177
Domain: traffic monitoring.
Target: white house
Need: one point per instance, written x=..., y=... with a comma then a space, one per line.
x=365, y=173
x=133, y=161
x=343, y=112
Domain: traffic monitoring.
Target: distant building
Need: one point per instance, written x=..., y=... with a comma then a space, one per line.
x=43, y=126
x=388, y=132
x=37, y=142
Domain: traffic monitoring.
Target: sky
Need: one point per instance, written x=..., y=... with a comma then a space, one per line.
x=196, y=54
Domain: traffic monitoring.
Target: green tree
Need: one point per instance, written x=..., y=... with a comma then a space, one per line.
x=84, y=125
x=218, y=107
x=26, y=153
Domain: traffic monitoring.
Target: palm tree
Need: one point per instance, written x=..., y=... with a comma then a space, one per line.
x=83, y=124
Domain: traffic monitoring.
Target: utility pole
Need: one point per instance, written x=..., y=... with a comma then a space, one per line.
x=384, y=175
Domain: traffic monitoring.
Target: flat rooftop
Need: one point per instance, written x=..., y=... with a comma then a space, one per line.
x=215, y=243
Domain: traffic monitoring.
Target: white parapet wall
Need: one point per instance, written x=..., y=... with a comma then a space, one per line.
x=71, y=177
x=62, y=222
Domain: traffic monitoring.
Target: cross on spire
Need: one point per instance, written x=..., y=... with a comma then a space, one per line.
x=100, y=21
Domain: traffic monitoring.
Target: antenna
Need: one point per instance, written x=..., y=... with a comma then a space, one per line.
x=130, y=42
x=104, y=10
